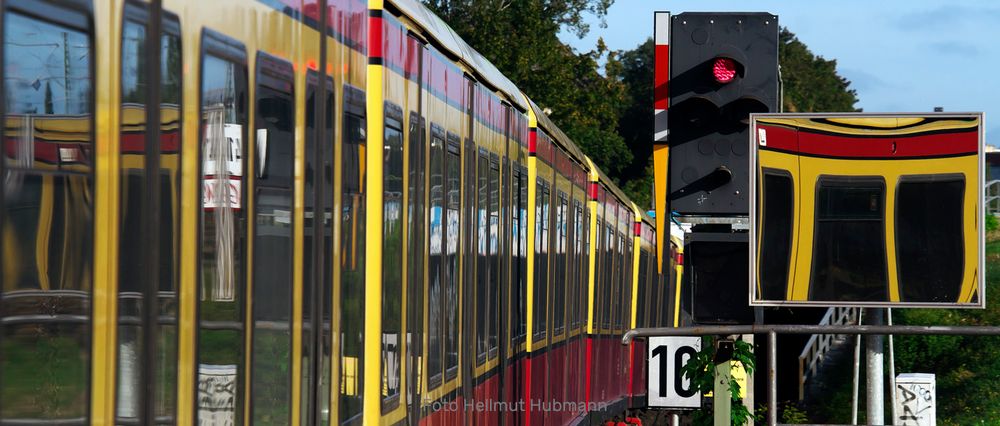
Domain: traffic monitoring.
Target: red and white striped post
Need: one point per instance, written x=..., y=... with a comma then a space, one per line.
x=661, y=153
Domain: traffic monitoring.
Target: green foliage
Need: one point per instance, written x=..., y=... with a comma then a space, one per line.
x=700, y=369
x=608, y=114
x=790, y=413
x=811, y=83
x=522, y=39
x=991, y=223
x=966, y=367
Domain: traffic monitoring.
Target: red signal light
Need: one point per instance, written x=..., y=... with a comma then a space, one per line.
x=724, y=70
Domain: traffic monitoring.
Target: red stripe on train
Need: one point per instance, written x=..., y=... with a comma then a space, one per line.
x=847, y=146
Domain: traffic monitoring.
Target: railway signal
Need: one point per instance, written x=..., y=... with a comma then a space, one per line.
x=723, y=67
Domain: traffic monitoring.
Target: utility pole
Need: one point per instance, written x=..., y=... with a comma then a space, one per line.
x=873, y=356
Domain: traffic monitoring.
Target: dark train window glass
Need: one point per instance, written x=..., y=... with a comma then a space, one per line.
x=585, y=267
x=494, y=256
x=415, y=242
x=47, y=228
x=132, y=267
x=454, y=196
x=608, y=280
x=849, y=243
x=274, y=143
x=482, y=251
x=559, y=275
x=392, y=254
x=541, y=260
x=435, y=262
x=352, y=267
x=626, y=280
x=517, y=297
x=930, y=252
x=523, y=250
x=642, y=297
x=776, y=235
x=513, y=305
x=316, y=294
x=223, y=232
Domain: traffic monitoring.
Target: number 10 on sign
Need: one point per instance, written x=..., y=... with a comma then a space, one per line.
x=668, y=388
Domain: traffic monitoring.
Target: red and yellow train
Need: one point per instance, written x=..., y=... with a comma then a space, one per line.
x=309, y=212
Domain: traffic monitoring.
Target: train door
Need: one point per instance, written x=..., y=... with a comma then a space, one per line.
x=149, y=207
x=271, y=311
x=317, y=249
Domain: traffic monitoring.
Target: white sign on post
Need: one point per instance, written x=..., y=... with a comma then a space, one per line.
x=915, y=400
x=668, y=388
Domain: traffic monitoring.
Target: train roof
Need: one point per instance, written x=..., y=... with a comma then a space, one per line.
x=564, y=141
x=446, y=37
x=603, y=179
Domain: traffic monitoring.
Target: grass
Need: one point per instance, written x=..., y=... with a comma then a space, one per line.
x=967, y=368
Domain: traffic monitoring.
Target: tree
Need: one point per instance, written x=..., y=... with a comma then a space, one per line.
x=521, y=38
x=811, y=83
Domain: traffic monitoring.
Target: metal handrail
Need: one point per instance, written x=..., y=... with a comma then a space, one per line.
x=773, y=330
x=815, y=350
x=992, y=197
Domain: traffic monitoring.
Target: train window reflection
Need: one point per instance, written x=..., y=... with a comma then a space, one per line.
x=392, y=253
x=47, y=226
x=849, y=242
x=435, y=263
x=223, y=231
x=274, y=145
x=930, y=253
x=454, y=196
x=352, y=266
x=132, y=249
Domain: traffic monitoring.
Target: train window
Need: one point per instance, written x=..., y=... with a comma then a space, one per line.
x=573, y=251
x=514, y=305
x=776, y=234
x=270, y=381
x=494, y=250
x=47, y=228
x=318, y=224
x=585, y=266
x=223, y=226
x=559, y=274
x=608, y=270
x=523, y=250
x=930, y=249
x=482, y=242
x=622, y=283
x=435, y=261
x=641, y=298
x=453, y=191
x=850, y=212
x=352, y=255
x=416, y=170
x=540, y=291
x=132, y=256
x=392, y=251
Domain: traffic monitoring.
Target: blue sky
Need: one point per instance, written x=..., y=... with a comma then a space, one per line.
x=900, y=56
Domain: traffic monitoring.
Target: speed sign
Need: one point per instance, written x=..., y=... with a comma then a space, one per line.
x=668, y=388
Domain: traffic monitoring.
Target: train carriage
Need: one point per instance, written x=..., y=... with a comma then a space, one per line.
x=344, y=215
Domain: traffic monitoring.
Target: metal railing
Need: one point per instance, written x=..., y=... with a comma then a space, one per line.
x=772, y=331
x=816, y=349
x=992, y=197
